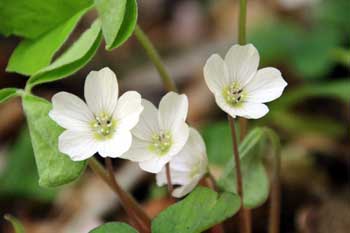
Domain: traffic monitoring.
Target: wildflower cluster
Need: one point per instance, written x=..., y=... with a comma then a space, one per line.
x=133, y=128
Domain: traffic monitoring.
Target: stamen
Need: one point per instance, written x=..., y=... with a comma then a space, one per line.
x=161, y=143
x=103, y=126
x=233, y=94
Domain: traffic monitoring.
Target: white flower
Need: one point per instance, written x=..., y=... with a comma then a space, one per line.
x=240, y=89
x=160, y=134
x=103, y=124
x=188, y=167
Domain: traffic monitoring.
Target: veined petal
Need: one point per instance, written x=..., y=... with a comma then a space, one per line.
x=173, y=110
x=179, y=138
x=185, y=189
x=265, y=86
x=245, y=109
x=128, y=110
x=155, y=164
x=242, y=63
x=101, y=91
x=116, y=146
x=216, y=74
x=138, y=151
x=148, y=123
x=77, y=145
x=70, y=112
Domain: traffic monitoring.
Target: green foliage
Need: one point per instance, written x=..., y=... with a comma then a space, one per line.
x=333, y=89
x=297, y=123
x=313, y=57
x=17, y=226
x=73, y=59
x=54, y=168
x=334, y=14
x=33, y=54
x=218, y=154
x=255, y=179
x=20, y=178
x=118, y=19
x=309, y=53
x=7, y=93
x=32, y=18
x=114, y=227
x=199, y=211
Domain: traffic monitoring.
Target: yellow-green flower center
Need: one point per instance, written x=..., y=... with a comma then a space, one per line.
x=103, y=126
x=233, y=94
x=161, y=143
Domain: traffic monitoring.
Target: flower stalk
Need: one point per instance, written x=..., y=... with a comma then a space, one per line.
x=168, y=83
x=244, y=221
x=154, y=56
x=134, y=211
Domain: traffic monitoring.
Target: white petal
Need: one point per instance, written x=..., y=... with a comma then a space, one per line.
x=179, y=137
x=70, y=112
x=185, y=189
x=138, y=151
x=265, y=86
x=128, y=110
x=177, y=177
x=216, y=74
x=77, y=145
x=196, y=142
x=242, y=63
x=245, y=109
x=155, y=164
x=116, y=146
x=148, y=123
x=101, y=91
x=173, y=110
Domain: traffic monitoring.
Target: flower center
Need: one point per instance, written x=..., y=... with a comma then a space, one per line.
x=233, y=94
x=103, y=126
x=161, y=143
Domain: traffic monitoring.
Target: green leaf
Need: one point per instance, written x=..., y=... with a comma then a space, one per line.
x=54, y=168
x=17, y=226
x=255, y=179
x=214, y=134
x=298, y=124
x=8, y=93
x=114, y=227
x=73, y=59
x=33, y=54
x=32, y=18
x=118, y=19
x=19, y=178
x=334, y=89
x=314, y=56
x=199, y=211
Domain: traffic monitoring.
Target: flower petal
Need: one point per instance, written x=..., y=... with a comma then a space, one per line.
x=177, y=177
x=138, y=151
x=116, y=146
x=148, y=123
x=242, y=63
x=128, y=110
x=101, y=91
x=173, y=110
x=185, y=189
x=179, y=138
x=245, y=109
x=265, y=86
x=70, y=112
x=216, y=74
x=155, y=164
x=77, y=145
